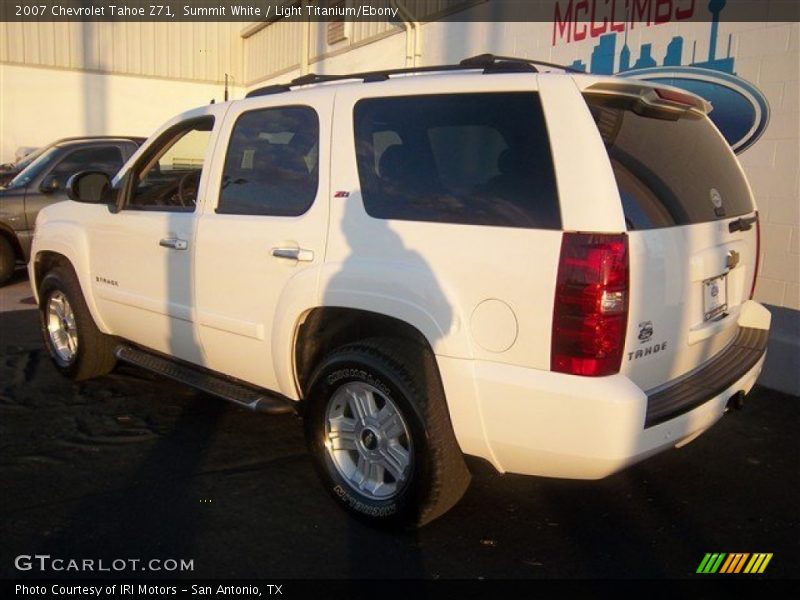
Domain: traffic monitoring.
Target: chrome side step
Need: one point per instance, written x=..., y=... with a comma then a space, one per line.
x=205, y=381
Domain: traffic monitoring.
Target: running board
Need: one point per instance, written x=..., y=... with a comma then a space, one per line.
x=205, y=381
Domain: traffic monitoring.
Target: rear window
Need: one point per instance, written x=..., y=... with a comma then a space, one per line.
x=670, y=173
x=477, y=159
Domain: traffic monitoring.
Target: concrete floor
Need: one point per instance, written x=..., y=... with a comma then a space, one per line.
x=17, y=294
x=132, y=466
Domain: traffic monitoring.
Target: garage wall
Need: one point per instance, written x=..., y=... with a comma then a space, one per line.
x=186, y=51
x=272, y=50
x=40, y=105
x=63, y=79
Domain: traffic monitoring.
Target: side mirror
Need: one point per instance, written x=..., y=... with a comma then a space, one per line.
x=50, y=185
x=89, y=186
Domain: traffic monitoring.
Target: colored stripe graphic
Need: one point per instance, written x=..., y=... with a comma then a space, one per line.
x=727, y=564
x=736, y=563
x=703, y=563
x=741, y=562
x=765, y=563
x=711, y=563
x=721, y=562
x=758, y=563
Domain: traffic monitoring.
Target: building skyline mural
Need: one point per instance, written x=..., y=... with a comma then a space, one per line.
x=741, y=111
x=604, y=53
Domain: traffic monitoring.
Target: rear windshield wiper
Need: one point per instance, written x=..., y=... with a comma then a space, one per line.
x=742, y=224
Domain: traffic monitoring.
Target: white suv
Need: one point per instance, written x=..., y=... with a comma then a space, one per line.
x=548, y=270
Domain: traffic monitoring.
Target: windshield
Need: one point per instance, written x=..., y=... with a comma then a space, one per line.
x=29, y=158
x=33, y=169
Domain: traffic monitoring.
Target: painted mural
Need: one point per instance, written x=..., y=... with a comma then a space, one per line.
x=741, y=111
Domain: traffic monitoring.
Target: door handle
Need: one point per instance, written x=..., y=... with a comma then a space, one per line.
x=174, y=243
x=298, y=254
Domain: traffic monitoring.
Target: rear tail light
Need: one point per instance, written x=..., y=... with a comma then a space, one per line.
x=591, y=304
x=758, y=256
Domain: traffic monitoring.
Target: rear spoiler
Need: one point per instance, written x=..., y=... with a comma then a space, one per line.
x=662, y=101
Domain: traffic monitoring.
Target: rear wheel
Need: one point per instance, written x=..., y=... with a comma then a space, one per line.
x=78, y=348
x=8, y=260
x=380, y=434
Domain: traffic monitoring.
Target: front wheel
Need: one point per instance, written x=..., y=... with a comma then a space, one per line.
x=78, y=348
x=378, y=428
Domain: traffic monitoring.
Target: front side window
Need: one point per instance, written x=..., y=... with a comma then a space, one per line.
x=477, y=159
x=168, y=175
x=272, y=163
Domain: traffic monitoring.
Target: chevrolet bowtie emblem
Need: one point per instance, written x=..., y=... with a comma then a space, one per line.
x=733, y=259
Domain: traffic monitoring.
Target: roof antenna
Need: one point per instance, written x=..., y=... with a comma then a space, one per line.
x=213, y=101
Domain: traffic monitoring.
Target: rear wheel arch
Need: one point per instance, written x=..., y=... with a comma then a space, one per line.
x=324, y=329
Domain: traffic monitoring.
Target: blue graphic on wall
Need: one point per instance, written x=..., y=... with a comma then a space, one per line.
x=741, y=111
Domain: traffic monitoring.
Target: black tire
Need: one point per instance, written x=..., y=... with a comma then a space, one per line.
x=406, y=374
x=8, y=260
x=94, y=355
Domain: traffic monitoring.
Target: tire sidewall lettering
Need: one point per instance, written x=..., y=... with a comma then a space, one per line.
x=344, y=375
x=386, y=510
x=378, y=510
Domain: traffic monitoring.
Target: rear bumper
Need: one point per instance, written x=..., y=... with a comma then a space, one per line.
x=712, y=379
x=550, y=424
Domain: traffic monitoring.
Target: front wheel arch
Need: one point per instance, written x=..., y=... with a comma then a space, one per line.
x=94, y=352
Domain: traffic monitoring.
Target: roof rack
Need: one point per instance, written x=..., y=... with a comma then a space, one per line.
x=488, y=62
x=492, y=60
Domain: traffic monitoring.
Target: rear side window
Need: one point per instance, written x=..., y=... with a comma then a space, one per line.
x=271, y=167
x=477, y=159
x=670, y=172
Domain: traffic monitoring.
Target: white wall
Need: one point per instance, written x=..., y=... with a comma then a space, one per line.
x=40, y=105
x=770, y=57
